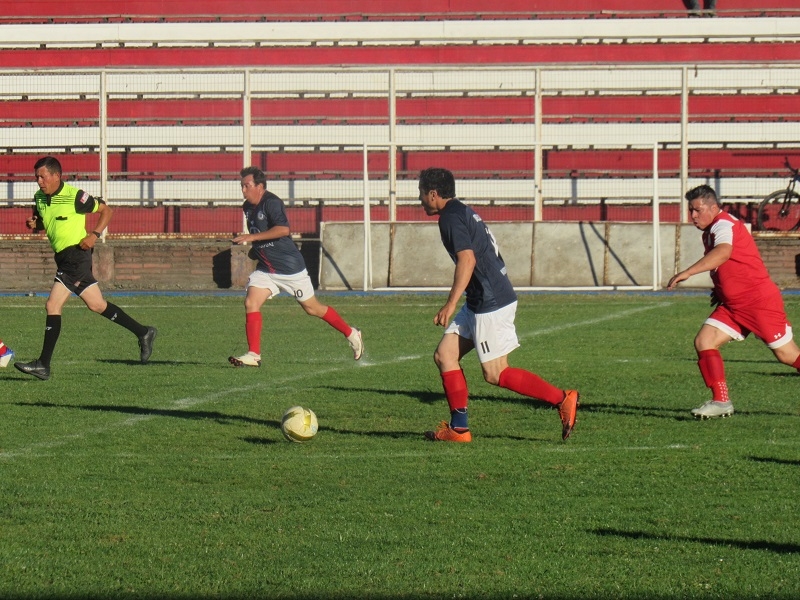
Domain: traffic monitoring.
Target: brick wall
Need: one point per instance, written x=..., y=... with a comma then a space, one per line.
x=170, y=265
x=127, y=265
x=781, y=254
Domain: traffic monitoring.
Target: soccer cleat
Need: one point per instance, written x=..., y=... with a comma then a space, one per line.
x=35, y=368
x=146, y=344
x=568, y=411
x=251, y=359
x=713, y=409
x=6, y=357
x=445, y=433
x=356, y=343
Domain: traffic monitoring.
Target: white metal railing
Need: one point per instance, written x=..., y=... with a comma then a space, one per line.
x=246, y=86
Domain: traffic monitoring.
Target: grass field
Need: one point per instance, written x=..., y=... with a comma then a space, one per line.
x=172, y=479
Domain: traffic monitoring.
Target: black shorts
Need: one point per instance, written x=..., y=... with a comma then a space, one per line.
x=74, y=269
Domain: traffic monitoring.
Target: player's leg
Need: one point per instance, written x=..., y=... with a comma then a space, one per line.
x=451, y=349
x=40, y=368
x=93, y=298
x=771, y=324
x=788, y=354
x=715, y=333
x=499, y=372
x=300, y=285
x=313, y=307
x=496, y=338
x=257, y=294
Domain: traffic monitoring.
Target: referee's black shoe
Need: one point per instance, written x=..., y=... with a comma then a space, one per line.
x=146, y=344
x=35, y=368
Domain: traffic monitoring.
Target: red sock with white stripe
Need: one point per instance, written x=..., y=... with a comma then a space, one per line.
x=713, y=371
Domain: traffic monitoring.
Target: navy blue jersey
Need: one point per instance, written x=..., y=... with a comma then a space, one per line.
x=279, y=256
x=461, y=228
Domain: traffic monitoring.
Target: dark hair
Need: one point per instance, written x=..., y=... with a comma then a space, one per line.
x=259, y=178
x=438, y=179
x=705, y=192
x=48, y=162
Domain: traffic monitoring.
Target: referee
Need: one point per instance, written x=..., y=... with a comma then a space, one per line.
x=61, y=209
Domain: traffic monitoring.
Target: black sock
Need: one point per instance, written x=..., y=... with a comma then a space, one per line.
x=52, y=329
x=120, y=317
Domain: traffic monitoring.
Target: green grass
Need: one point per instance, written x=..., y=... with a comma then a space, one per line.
x=172, y=479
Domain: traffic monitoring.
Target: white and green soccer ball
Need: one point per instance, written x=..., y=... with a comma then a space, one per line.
x=299, y=424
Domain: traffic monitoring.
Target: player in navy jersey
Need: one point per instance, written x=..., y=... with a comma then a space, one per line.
x=486, y=321
x=280, y=267
x=745, y=298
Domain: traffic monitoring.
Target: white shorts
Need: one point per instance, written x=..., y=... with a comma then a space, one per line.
x=493, y=334
x=298, y=285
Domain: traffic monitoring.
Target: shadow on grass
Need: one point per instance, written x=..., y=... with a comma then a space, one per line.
x=137, y=362
x=675, y=414
x=426, y=397
x=224, y=419
x=375, y=434
x=260, y=441
x=219, y=417
x=777, y=461
x=420, y=435
x=741, y=544
x=782, y=374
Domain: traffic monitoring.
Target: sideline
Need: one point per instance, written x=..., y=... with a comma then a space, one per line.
x=389, y=292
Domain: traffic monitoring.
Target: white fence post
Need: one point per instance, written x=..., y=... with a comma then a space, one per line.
x=656, y=224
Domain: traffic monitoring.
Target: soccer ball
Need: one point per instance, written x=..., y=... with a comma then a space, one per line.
x=299, y=424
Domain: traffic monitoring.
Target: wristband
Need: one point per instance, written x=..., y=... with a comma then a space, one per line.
x=96, y=234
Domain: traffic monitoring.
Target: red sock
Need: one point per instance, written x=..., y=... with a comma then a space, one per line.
x=252, y=328
x=2, y=347
x=795, y=364
x=455, y=389
x=713, y=371
x=531, y=385
x=332, y=318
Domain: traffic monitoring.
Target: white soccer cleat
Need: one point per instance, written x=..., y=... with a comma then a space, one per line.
x=251, y=359
x=6, y=357
x=356, y=343
x=713, y=409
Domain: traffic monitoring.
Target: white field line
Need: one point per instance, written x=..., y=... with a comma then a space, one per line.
x=193, y=401
x=589, y=322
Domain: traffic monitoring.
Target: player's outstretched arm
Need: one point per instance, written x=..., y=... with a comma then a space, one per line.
x=712, y=260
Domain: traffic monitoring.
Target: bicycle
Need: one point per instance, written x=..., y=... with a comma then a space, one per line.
x=780, y=211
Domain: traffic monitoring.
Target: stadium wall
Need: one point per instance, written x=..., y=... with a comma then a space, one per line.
x=214, y=265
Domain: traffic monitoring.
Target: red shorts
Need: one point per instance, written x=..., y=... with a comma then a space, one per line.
x=766, y=321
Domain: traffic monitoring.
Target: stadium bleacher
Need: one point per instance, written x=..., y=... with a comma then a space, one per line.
x=566, y=41
x=367, y=10
x=610, y=75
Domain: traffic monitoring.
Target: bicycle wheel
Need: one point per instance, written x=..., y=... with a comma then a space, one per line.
x=779, y=213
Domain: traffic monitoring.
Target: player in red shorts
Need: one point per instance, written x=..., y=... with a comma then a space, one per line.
x=746, y=299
